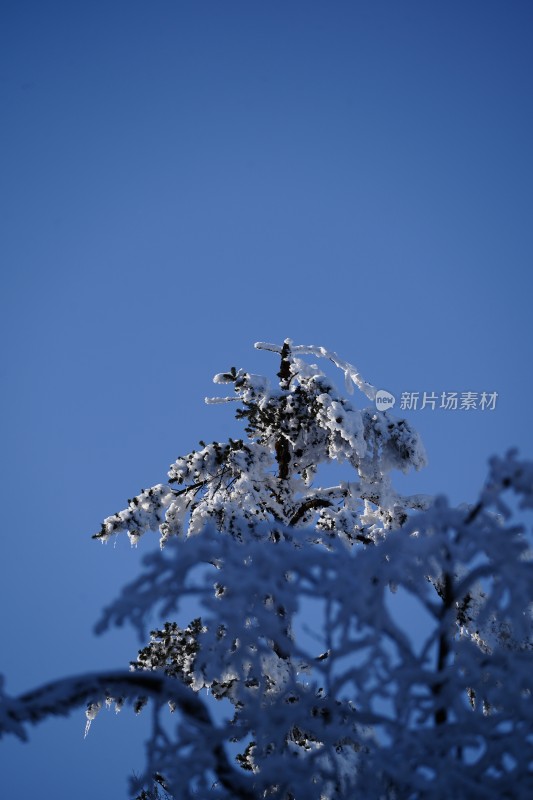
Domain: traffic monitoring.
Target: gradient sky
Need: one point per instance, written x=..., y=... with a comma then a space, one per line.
x=181, y=179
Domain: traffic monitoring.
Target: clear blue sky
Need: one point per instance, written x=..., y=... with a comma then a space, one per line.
x=180, y=179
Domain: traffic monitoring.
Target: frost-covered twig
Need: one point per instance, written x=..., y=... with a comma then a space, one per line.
x=351, y=373
x=60, y=697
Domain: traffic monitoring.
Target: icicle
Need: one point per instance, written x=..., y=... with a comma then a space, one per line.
x=92, y=711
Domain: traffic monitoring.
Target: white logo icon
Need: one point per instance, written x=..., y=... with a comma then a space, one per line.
x=384, y=400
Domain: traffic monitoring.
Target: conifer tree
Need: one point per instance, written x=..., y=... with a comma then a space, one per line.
x=325, y=689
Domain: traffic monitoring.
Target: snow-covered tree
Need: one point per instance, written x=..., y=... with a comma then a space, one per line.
x=326, y=689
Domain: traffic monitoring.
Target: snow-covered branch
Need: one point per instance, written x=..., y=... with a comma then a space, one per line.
x=60, y=697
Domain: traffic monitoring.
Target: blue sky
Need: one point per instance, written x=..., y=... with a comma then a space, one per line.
x=181, y=179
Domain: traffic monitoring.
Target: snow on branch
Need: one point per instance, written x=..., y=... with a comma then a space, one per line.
x=93, y=689
x=270, y=474
x=58, y=698
x=351, y=373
